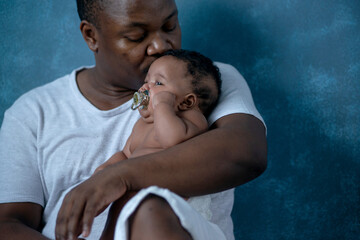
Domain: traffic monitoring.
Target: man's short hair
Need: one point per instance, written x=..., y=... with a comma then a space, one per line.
x=89, y=10
x=206, y=78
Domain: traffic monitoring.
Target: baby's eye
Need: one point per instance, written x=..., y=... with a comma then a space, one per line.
x=158, y=83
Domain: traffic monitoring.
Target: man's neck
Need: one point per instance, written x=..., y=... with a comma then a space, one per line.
x=101, y=94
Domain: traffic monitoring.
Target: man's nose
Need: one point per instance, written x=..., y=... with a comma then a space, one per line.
x=159, y=44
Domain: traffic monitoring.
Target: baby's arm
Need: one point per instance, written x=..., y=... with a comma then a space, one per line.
x=172, y=128
x=117, y=157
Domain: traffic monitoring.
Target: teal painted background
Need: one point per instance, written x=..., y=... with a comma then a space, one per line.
x=301, y=59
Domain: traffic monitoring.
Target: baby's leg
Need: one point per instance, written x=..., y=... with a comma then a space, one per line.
x=155, y=219
x=114, y=212
x=117, y=157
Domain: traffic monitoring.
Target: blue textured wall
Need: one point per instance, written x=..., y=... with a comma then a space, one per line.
x=301, y=59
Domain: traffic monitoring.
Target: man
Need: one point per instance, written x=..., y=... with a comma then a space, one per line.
x=52, y=138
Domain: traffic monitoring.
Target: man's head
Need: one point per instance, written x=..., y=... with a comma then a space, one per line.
x=89, y=10
x=126, y=36
x=190, y=76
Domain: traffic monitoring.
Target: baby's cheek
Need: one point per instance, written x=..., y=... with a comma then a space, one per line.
x=144, y=112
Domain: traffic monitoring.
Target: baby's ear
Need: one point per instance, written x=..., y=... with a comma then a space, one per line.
x=190, y=100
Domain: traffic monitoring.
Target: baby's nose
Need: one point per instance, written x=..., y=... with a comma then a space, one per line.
x=145, y=86
x=151, y=84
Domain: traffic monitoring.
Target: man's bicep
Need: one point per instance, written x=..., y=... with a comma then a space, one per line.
x=20, y=177
x=248, y=136
x=240, y=121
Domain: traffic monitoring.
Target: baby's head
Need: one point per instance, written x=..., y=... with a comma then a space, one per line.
x=191, y=77
x=203, y=76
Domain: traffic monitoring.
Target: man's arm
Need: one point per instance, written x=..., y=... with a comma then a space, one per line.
x=19, y=175
x=232, y=153
x=20, y=221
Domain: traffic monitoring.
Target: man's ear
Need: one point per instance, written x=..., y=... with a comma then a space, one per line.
x=89, y=33
x=190, y=100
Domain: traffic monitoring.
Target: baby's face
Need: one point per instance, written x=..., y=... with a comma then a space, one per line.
x=168, y=74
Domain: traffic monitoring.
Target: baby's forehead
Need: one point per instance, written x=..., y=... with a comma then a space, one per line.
x=170, y=59
x=190, y=74
x=172, y=62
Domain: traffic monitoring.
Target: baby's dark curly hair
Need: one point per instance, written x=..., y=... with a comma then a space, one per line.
x=206, y=78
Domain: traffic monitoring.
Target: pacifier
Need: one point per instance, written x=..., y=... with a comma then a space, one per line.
x=140, y=100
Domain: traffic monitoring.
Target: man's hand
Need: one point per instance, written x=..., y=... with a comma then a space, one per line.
x=82, y=204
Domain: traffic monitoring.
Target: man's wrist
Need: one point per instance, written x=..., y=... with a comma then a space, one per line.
x=125, y=173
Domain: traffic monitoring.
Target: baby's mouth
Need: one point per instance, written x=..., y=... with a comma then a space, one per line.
x=140, y=100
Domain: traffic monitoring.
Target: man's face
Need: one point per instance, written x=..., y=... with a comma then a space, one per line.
x=131, y=36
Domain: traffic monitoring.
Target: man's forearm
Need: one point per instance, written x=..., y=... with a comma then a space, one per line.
x=230, y=155
x=18, y=230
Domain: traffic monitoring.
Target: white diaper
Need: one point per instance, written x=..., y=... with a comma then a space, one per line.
x=196, y=223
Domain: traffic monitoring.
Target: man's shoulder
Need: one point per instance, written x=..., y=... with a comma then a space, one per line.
x=231, y=78
x=44, y=90
x=229, y=72
x=43, y=95
x=225, y=67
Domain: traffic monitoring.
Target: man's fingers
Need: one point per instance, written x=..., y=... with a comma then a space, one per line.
x=74, y=219
x=67, y=223
x=88, y=218
x=61, y=221
x=84, y=202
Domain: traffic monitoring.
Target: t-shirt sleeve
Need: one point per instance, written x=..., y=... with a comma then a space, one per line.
x=19, y=173
x=235, y=95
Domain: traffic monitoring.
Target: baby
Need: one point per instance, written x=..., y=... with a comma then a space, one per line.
x=183, y=87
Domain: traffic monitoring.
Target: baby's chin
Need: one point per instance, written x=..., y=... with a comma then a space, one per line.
x=146, y=115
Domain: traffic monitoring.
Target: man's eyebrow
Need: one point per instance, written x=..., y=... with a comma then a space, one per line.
x=142, y=25
x=175, y=12
x=136, y=24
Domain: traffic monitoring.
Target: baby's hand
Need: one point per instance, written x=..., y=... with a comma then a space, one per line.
x=163, y=97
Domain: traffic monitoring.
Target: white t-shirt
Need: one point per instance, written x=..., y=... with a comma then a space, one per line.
x=52, y=139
